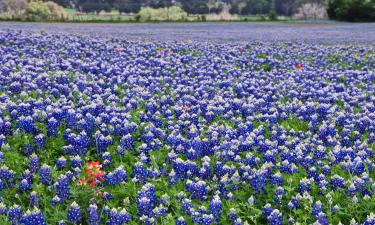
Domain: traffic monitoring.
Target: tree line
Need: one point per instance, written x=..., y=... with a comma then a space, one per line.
x=241, y=7
x=346, y=10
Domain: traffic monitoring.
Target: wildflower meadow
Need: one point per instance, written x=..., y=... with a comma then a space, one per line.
x=237, y=127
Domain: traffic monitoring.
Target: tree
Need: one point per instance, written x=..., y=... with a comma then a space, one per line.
x=195, y=6
x=94, y=6
x=254, y=7
x=311, y=11
x=234, y=9
x=201, y=8
x=351, y=10
x=13, y=6
x=128, y=6
x=160, y=3
x=65, y=3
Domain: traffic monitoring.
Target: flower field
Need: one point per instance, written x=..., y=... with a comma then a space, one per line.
x=116, y=129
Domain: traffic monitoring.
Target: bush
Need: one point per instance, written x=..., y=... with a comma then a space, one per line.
x=272, y=15
x=173, y=13
x=38, y=11
x=352, y=10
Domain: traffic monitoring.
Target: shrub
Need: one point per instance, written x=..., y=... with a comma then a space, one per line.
x=272, y=15
x=38, y=11
x=174, y=13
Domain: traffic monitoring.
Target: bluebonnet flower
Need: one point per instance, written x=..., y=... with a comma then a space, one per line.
x=322, y=219
x=34, y=199
x=124, y=216
x=27, y=124
x=187, y=206
x=34, y=163
x=232, y=214
x=203, y=219
x=2, y=185
x=3, y=209
x=52, y=127
x=25, y=185
x=304, y=186
x=107, y=159
x=279, y=192
x=61, y=162
x=146, y=199
x=107, y=196
x=113, y=217
x=74, y=213
x=216, y=207
x=62, y=187
x=102, y=142
x=34, y=217
x=181, y=221
x=116, y=177
x=76, y=161
x=3, y=140
x=370, y=220
x=198, y=189
x=159, y=211
x=267, y=210
x=39, y=141
x=45, y=175
x=120, y=151
x=140, y=172
x=26, y=151
x=92, y=214
x=275, y=217
x=14, y=214
x=27, y=175
x=277, y=179
x=61, y=222
x=56, y=200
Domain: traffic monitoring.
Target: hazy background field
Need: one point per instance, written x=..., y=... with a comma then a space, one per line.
x=308, y=31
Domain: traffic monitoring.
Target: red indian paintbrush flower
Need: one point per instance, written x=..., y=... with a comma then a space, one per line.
x=93, y=174
x=299, y=66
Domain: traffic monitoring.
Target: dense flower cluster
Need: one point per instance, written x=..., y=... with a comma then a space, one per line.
x=185, y=132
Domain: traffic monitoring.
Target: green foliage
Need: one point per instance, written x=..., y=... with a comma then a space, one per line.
x=195, y=6
x=128, y=6
x=272, y=15
x=38, y=10
x=351, y=10
x=292, y=123
x=95, y=6
x=173, y=13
